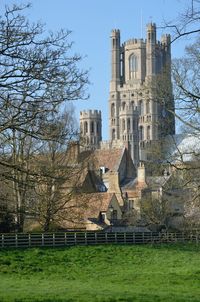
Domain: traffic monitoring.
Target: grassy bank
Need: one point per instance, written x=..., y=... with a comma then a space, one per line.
x=101, y=273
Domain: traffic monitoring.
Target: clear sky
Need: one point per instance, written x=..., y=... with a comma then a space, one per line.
x=91, y=22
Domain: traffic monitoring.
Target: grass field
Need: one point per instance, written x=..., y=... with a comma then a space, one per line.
x=101, y=273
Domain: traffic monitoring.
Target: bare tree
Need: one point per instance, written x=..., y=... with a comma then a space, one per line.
x=186, y=80
x=57, y=172
x=38, y=74
x=186, y=23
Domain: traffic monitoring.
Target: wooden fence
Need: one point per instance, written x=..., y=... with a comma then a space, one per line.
x=92, y=238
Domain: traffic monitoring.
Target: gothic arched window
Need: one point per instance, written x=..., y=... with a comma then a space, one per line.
x=92, y=127
x=133, y=66
x=113, y=134
x=81, y=127
x=85, y=127
x=123, y=125
x=123, y=105
x=141, y=133
x=147, y=106
x=128, y=124
x=141, y=107
x=112, y=109
x=97, y=127
x=148, y=132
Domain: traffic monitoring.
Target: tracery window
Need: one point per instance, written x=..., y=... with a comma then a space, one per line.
x=113, y=134
x=148, y=132
x=123, y=125
x=112, y=109
x=85, y=127
x=128, y=124
x=141, y=133
x=141, y=107
x=98, y=127
x=92, y=127
x=147, y=106
x=133, y=66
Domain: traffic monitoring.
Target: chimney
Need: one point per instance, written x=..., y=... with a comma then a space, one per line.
x=114, y=187
x=73, y=152
x=141, y=177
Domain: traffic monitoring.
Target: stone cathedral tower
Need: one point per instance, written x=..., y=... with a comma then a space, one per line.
x=90, y=126
x=138, y=115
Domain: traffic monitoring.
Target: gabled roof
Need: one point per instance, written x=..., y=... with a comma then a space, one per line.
x=153, y=183
x=110, y=159
x=86, y=206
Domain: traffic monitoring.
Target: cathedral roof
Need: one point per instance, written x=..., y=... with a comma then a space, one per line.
x=182, y=147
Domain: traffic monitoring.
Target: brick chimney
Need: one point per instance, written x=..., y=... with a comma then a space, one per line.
x=114, y=187
x=73, y=152
x=141, y=176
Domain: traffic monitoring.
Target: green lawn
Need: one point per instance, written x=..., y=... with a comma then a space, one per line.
x=101, y=273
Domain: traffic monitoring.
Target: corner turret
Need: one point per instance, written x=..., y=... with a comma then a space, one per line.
x=91, y=128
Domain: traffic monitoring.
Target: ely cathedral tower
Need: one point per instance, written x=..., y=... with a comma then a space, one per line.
x=140, y=99
x=138, y=115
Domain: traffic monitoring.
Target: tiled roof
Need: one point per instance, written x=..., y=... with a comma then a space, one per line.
x=151, y=181
x=90, y=205
x=109, y=158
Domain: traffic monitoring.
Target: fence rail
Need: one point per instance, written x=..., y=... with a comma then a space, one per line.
x=21, y=240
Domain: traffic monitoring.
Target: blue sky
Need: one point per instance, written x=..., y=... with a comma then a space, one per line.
x=91, y=22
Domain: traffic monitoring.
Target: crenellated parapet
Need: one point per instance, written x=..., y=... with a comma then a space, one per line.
x=136, y=42
x=90, y=114
x=115, y=32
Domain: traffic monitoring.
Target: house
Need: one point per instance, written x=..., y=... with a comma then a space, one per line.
x=92, y=212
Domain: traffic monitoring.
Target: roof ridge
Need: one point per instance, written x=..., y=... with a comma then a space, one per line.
x=120, y=159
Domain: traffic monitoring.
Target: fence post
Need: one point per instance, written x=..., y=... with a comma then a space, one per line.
x=29, y=240
x=75, y=241
x=151, y=238
x=124, y=237
x=42, y=239
x=85, y=238
x=183, y=237
x=115, y=237
x=2, y=240
x=16, y=240
x=176, y=240
x=106, y=237
x=53, y=235
x=65, y=243
x=95, y=237
x=143, y=237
